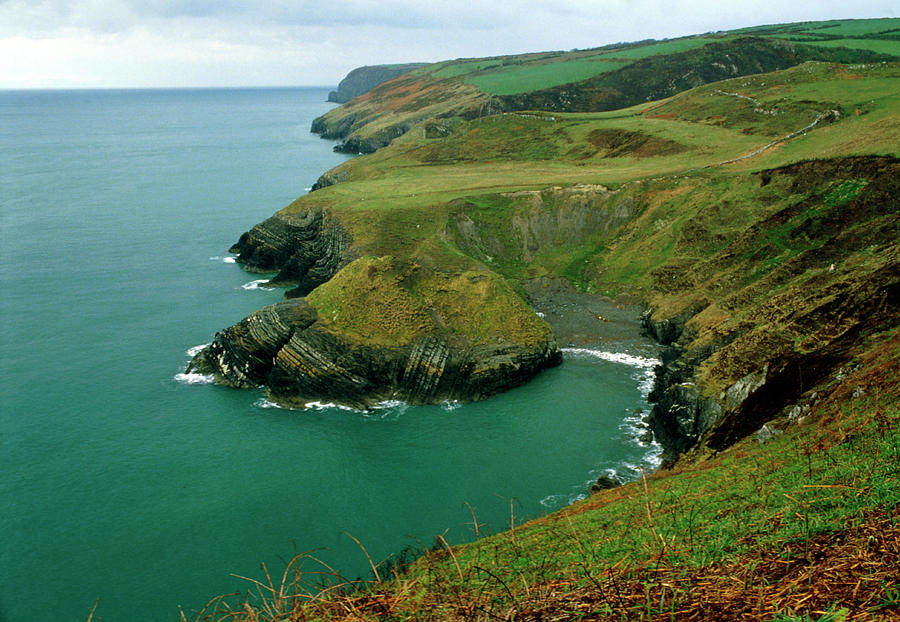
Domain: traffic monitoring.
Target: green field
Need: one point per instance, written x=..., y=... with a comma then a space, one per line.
x=855, y=28
x=460, y=68
x=675, y=46
x=534, y=77
x=882, y=46
x=841, y=28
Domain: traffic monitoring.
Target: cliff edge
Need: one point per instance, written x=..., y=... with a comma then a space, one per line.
x=364, y=79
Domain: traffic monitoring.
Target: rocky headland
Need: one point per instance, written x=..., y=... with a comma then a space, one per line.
x=747, y=228
x=386, y=329
x=757, y=284
x=364, y=79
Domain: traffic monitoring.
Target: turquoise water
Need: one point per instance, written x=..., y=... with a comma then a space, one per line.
x=121, y=483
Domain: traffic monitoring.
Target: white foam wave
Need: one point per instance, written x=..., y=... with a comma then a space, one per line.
x=192, y=378
x=264, y=403
x=387, y=404
x=451, y=405
x=615, y=357
x=645, y=381
x=257, y=284
x=654, y=456
x=329, y=405
x=553, y=501
x=380, y=410
x=557, y=501
x=229, y=259
x=194, y=351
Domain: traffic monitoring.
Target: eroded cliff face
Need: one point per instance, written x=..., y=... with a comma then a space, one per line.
x=734, y=362
x=305, y=249
x=384, y=329
x=540, y=220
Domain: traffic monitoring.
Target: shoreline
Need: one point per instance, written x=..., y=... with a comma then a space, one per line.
x=594, y=321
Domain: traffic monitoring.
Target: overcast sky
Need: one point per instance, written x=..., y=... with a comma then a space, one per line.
x=153, y=43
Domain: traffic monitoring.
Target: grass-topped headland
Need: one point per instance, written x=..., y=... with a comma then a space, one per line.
x=751, y=205
x=393, y=302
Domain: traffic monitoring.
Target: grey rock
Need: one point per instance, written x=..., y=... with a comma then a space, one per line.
x=605, y=482
x=766, y=433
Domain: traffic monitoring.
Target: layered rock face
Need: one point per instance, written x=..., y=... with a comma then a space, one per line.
x=382, y=330
x=305, y=248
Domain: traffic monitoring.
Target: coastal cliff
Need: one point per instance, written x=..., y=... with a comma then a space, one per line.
x=305, y=249
x=364, y=79
x=801, y=319
x=623, y=78
x=385, y=329
x=747, y=200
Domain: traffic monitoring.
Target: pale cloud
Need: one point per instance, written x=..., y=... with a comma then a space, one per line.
x=109, y=43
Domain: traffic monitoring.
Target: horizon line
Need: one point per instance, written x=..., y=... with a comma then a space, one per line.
x=164, y=88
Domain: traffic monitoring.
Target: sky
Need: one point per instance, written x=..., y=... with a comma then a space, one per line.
x=194, y=43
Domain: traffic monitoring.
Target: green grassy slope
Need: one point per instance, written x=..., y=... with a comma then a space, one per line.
x=599, y=79
x=417, y=178
x=757, y=217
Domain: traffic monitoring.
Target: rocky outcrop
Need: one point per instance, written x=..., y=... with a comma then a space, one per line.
x=385, y=330
x=241, y=356
x=305, y=248
x=330, y=178
x=605, y=482
x=364, y=79
x=344, y=127
x=370, y=144
x=335, y=130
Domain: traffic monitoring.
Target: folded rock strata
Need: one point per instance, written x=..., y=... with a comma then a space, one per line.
x=305, y=248
x=380, y=330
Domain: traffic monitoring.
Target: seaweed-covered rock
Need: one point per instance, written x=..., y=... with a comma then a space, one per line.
x=605, y=482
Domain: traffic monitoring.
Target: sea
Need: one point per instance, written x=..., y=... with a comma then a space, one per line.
x=132, y=490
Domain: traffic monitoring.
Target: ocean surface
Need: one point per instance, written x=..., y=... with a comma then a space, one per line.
x=123, y=480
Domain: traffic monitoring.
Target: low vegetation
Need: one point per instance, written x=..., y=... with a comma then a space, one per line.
x=756, y=216
x=386, y=301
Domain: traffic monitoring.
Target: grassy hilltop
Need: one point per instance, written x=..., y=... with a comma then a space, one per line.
x=745, y=186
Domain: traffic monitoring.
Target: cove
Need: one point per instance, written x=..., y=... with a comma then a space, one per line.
x=122, y=482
